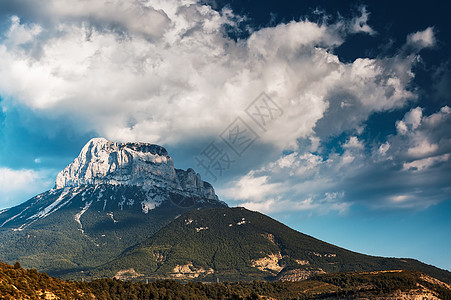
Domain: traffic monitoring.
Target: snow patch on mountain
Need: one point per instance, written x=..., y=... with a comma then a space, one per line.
x=66, y=195
x=242, y=222
x=198, y=229
x=78, y=215
x=48, y=210
x=153, y=200
x=111, y=215
x=14, y=217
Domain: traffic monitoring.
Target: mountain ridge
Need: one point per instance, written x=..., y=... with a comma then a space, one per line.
x=112, y=195
x=238, y=244
x=123, y=210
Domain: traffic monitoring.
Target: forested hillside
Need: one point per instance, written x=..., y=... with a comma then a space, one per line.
x=238, y=244
x=17, y=283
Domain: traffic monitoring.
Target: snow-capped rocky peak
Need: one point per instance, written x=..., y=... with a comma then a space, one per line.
x=104, y=162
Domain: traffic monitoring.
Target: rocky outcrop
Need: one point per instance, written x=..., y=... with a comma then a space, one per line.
x=127, y=274
x=298, y=274
x=268, y=263
x=189, y=271
x=269, y=237
x=302, y=262
x=191, y=182
x=140, y=164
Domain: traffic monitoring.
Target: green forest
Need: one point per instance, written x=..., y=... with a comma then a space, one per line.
x=18, y=283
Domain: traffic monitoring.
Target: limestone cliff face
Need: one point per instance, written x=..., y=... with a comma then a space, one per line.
x=139, y=164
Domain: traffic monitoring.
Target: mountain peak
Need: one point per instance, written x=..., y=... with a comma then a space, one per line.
x=104, y=162
x=140, y=164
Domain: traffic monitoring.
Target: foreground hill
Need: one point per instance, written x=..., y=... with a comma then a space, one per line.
x=238, y=244
x=17, y=283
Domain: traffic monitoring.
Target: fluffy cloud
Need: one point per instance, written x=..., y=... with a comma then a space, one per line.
x=422, y=39
x=410, y=121
x=408, y=171
x=251, y=187
x=122, y=16
x=166, y=72
x=421, y=164
x=423, y=136
x=17, y=184
x=353, y=142
x=359, y=24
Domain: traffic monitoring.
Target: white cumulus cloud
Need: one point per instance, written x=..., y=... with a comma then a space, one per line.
x=422, y=39
x=408, y=171
x=360, y=23
x=17, y=184
x=166, y=72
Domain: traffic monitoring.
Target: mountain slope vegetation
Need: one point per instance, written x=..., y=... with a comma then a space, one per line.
x=92, y=228
x=238, y=244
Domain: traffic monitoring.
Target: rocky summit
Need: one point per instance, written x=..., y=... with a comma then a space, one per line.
x=146, y=165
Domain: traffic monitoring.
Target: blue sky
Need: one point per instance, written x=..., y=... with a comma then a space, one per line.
x=345, y=108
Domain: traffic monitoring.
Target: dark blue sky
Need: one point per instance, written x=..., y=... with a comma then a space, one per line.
x=358, y=154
